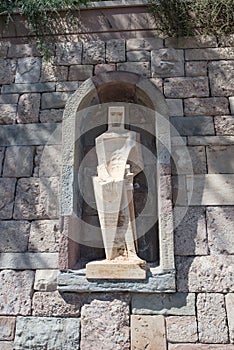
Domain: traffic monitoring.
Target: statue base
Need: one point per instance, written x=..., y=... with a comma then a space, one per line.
x=124, y=269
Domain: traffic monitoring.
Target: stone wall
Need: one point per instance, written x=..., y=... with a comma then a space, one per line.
x=196, y=76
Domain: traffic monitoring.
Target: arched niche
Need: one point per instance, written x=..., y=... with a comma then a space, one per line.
x=103, y=90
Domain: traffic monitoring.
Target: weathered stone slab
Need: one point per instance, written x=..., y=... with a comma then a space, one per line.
x=200, y=347
x=208, y=274
x=144, y=44
x=190, y=231
x=68, y=53
x=54, y=100
x=224, y=125
x=7, y=328
x=115, y=50
x=138, y=56
x=181, y=329
x=179, y=189
x=44, y=236
x=46, y=280
x=198, y=41
x=188, y=160
x=162, y=304
x=12, y=303
x=14, y=236
x=190, y=126
x=53, y=304
x=7, y=190
x=68, y=86
x=186, y=87
x=196, y=68
x=51, y=333
x=2, y=154
x=220, y=229
x=104, y=68
x=93, y=52
x=206, y=106
x=142, y=68
x=81, y=72
x=210, y=140
x=9, y=99
x=7, y=71
x=221, y=78
x=28, y=108
x=148, y=332
x=6, y=345
x=7, y=113
x=211, y=314
x=50, y=161
x=167, y=63
x=175, y=107
x=18, y=161
x=230, y=314
x=111, y=318
x=219, y=53
x=24, y=88
x=51, y=116
x=21, y=261
x=22, y=50
x=211, y=189
x=28, y=70
x=220, y=159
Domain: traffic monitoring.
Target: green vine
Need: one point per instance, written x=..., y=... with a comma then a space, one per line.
x=176, y=18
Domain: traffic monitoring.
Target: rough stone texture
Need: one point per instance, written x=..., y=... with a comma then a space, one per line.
x=33, y=261
x=6, y=345
x=50, y=72
x=9, y=99
x=200, y=347
x=220, y=159
x=51, y=116
x=230, y=314
x=142, y=68
x=224, y=125
x=210, y=140
x=167, y=63
x=53, y=304
x=111, y=319
x=188, y=160
x=179, y=190
x=148, y=332
x=206, y=106
x=164, y=304
x=196, y=68
x=205, y=274
x=14, y=236
x=186, y=87
x=18, y=161
x=7, y=113
x=44, y=333
x=104, y=68
x=197, y=41
x=68, y=86
x=93, y=52
x=81, y=72
x=181, y=329
x=46, y=280
x=7, y=71
x=28, y=108
x=36, y=198
x=27, y=87
x=7, y=328
x=44, y=236
x=144, y=44
x=22, y=50
x=7, y=190
x=190, y=231
x=211, y=314
x=219, y=53
x=115, y=50
x=175, y=107
x=50, y=161
x=2, y=154
x=220, y=229
x=193, y=125
x=28, y=70
x=54, y=100
x=138, y=56
x=221, y=78
x=68, y=53
x=15, y=293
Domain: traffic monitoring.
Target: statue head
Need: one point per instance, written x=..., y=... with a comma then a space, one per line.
x=116, y=117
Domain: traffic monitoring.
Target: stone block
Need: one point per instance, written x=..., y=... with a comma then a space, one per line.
x=221, y=78
x=14, y=236
x=68, y=86
x=28, y=70
x=18, y=161
x=188, y=160
x=93, y=52
x=104, y=68
x=50, y=72
x=6, y=345
x=210, y=140
x=12, y=302
x=68, y=53
x=111, y=318
x=44, y=236
x=148, y=332
x=51, y=116
x=167, y=63
x=2, y=154
x=198, y=41
x=7, y=113
x=196, y=68
x=7, y=328
x=7, y=190
x=21, y=261
x=230, y=314
x=210, y=189
x=158, y=82
x=3, y=49
x=220, y=159
x=141, y=68
x=50, y=161
x=190, y=231
x=7, y=71
x=179, y=189
x=220, y=229
x=190, y=126
x=81, y=72
x=36, y=198
x=211, y=314
x=181, y=329
x=186, y=87
x=224, y=125
x=214, y=53
x=23, y=88
x=46, y=280
x=206, y=106
x=53, y=304
x=138, y=56
x=51, y=333
x=144, y=44
x=22, y=50
x=9, y=99
x=200, y=347
x=175, y=107
x=164, y=304
x=115, y=50
x=54, y=100
x=208, y=274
